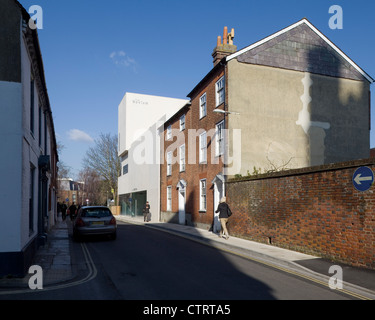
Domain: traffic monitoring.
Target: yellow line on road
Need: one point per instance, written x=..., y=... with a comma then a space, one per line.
x=90, y=276
x=348, y=292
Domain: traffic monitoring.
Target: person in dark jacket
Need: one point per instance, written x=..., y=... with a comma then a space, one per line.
x=64, y=207
x=72, y=211
x=146, y=212
x=224, y=215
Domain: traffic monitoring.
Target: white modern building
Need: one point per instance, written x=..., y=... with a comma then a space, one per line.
x=27, y=144
x=139, y=117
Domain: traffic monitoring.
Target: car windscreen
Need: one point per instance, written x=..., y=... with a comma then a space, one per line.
x=95, y=213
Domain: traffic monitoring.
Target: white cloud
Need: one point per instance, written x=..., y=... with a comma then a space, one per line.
x=120, y=58
x=78, y=135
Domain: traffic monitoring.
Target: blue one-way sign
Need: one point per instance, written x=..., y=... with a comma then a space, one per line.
x=363, y=178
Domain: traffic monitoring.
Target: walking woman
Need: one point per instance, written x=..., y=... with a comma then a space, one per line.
x=224, y=215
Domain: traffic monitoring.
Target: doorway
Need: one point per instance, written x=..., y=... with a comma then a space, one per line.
x=181, y=202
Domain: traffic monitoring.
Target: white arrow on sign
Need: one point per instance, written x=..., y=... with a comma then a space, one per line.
x=358, y=179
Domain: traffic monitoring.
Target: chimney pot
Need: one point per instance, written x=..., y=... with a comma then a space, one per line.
x=224, y=49
x=219, y=41
x=225, y=35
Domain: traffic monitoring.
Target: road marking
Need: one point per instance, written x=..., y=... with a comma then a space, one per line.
x=90, y=276
x=324, y=283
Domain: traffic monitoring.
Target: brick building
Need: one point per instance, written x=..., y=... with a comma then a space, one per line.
x=192, y=173
x=284, y=102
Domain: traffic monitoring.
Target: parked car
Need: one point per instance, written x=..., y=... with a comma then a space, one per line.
x=94, y=220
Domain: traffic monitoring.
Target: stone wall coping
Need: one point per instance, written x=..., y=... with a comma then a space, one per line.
x=307, y=170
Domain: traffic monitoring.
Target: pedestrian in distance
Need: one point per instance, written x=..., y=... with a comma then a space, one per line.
x=224, y=215
x=58, y=208
x=72, y=211
x=64, y=207
x=146, y=212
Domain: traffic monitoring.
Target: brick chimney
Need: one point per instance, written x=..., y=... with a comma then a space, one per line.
x=226, y=48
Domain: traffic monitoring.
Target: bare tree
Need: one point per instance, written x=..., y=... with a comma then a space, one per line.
x=63, y=171
x=92, y=187
x=103, y=159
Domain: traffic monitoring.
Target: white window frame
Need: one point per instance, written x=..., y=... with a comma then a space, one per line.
x=169, y=132
x=219, y=138
x=203, y=195
x=203, y=105
x=220, y=91
x=169, y=198
x=182, y=157
x=203, y=147
x=182, y=122
x=169, y=163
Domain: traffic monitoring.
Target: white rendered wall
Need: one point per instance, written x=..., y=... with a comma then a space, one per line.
x=10, y=165
x=139, y=118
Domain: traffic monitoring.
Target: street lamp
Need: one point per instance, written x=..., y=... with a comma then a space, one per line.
x=225, y=112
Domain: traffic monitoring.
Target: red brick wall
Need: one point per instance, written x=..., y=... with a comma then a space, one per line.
x=314, y=210
x=194, y=170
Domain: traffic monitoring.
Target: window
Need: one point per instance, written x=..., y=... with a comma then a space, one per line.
x=203, y=147
x=125, y=169
x=182, y=123
x=32, y=105
x=220, y=92
x=219, y=134
x=182, y=158
x=169, y=132
x=169, y=198
x=169, y=163
x=96, y=213
x=202, y=106
x=203, y=201
x=31, y=200
x=45, y=134
x=40, y=127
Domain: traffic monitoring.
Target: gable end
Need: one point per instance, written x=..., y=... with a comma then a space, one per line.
x=301, y=48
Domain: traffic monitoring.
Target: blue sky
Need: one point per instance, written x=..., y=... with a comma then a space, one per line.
x=96, y=51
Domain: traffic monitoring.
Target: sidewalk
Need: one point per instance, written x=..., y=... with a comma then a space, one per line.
x=54, y=258
x=356, y=280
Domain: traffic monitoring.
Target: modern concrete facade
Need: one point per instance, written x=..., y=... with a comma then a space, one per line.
x=27, y=140
x=139, y=117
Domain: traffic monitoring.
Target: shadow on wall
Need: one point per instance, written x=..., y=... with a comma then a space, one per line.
x=335, y=112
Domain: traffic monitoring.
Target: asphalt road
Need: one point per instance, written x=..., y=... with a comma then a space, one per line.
x=146, y=264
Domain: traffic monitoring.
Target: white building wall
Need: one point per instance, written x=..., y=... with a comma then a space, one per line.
x=10, y=164
x=138, y=120
x=30, y=150
x=139, y=112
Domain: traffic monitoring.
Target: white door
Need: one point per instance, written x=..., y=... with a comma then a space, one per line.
x=181, y=204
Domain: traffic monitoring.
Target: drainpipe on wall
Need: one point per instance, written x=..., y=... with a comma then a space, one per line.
x=44, y=167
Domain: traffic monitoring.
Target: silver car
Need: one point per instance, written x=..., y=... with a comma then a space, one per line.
x=94, y=220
